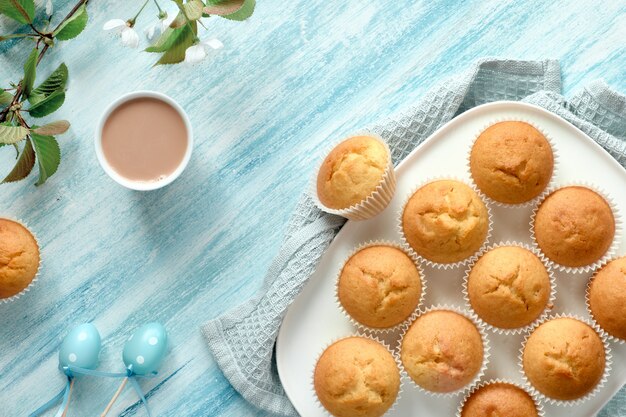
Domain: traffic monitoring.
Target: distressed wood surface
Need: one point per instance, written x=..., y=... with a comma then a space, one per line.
x=294, y=75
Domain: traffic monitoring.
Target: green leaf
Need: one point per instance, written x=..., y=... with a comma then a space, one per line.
x=30, y=72
x=21, y=10
x=72, y=27
x=24, y=164
x=244, y=12
x=48, y=156
x=5, y=98
x=176, y=52
x=222, y=8
x=55, y=128
x=56, y=81
x=193, y=10
x=12, y=134
x=48, y=105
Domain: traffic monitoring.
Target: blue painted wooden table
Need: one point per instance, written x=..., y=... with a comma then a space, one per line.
x=295, y=74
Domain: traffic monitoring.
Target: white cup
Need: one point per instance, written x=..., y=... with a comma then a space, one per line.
x=142, y=185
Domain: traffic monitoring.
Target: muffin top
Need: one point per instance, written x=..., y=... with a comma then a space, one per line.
x=574, y=226
x=511, y=162
x=442, y=351
x=351, y=172
x=508, y=287
x=564, y=358
x=380, y=286
x=356, y=377
x=499, y=399
x=445, y=221
x=19, y=258
x=607, y=298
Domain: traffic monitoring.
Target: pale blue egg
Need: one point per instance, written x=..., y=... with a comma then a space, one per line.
x=81, y=347
x=145, y=349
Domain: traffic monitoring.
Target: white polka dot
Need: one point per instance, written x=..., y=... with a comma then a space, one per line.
x=153, y=341
x=140, y=359
x=72, y=357
x=82, y=336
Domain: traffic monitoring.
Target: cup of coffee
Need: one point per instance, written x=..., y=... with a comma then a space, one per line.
x=144, y=140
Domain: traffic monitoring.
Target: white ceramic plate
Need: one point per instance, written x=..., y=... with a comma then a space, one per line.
x=313, y=319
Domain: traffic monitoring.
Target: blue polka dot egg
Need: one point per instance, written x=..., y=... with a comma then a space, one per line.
x=145, y=349
x=81, y=347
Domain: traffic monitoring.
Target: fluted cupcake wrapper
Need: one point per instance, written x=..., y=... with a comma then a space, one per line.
x=616, y=238
x=605, y=333
x=549, y=304
x=383, y=330
x=607, y=363
x=483, y=335
x=36, y=278
x=538, y=405
x=439, y=265
x=393, y=353
x=376, y=202
x=555, y=159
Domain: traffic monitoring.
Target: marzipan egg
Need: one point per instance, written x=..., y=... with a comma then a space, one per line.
x=145, y=349
x=81, y=347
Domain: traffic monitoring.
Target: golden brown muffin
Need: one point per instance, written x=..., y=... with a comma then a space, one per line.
x=607, y=298
x=356, y=377
x=509, y=287
x=442, y=351
x=564, y=358
x=445, y=221
x=499, y=399
x=379, y=286
x=574, y=226
x=511, y=162
x=351, y=172
x=19, y=258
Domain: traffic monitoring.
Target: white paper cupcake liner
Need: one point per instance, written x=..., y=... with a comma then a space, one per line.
x=376, y=202
x=395, y=356
x=427, y=261
x=551, y=297
x=616, y=238
x=608, y=335
x=540, y=411
x=607, y=363
x=36, y=278
x=381, y=330
x=483, y=335
x=555, y=158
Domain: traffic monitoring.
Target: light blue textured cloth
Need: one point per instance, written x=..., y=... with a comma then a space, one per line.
x=242, y=340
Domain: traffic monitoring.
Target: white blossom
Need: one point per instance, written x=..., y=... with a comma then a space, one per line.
x=154, y=31
x=123, y=28
x=196, y=53
x=49, y=8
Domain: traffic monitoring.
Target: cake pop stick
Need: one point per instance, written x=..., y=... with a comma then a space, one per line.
x=143, y=353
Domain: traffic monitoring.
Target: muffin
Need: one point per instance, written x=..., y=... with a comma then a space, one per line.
x=445, y=221
x=607, y=298
x=19, y=258
x=511, y=162
x=574, y=226
x=499, y=399
x=442, y=351
x=356, y=377
x=564, y=359
x=352, y=171
x=379, y=286
x=508, y=287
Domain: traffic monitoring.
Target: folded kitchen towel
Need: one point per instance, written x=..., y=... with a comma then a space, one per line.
x=242, y=340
